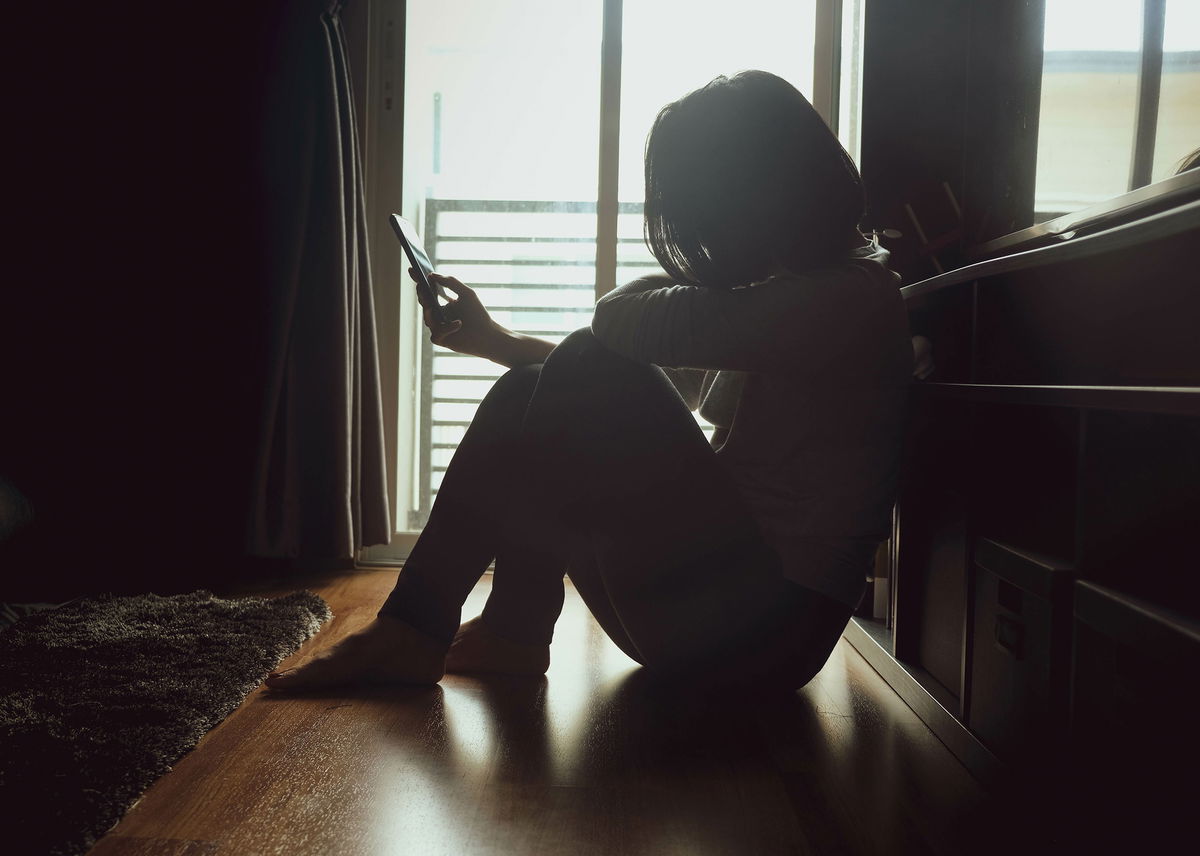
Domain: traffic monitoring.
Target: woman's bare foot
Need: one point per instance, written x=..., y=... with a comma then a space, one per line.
x=388, y=651
x=477, y=650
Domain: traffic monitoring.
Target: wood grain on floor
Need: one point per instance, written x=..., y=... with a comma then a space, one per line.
x=591, y=759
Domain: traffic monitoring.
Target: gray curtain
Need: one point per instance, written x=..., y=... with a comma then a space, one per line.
x=320, y=484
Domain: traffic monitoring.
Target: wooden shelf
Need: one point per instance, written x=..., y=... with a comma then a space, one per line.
x=1150, y=199
x=1182, y=400
x=1158, y=631
x=921, y=693
x=1129, y=236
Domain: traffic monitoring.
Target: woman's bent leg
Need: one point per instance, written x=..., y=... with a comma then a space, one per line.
x=482, y=498
x=527, y=590
x=469, y=525
x=784, y=651
x=677, y=568
x=595, y=457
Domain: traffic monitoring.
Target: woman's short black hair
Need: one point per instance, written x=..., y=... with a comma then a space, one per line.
x=743, y=175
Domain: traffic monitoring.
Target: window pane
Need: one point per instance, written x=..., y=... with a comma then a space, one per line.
x=671, y=47
x=1089, y=97
x=850, y=77
x=1179, y=100
x=500, y=99
x=501, y=137
x=501, y=156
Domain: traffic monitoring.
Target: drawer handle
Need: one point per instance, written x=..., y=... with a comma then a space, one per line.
x=1010, y=635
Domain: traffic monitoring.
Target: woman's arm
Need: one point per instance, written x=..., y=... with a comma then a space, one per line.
x=471, y=330
x=650, y=282
x=808, y=319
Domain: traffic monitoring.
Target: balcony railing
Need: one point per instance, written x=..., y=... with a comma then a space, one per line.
x=533, y=264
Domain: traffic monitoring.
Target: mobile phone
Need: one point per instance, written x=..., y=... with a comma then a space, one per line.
x=421, y=266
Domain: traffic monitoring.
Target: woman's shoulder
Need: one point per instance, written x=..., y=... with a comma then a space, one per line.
x=874, y=259
x=863, y=267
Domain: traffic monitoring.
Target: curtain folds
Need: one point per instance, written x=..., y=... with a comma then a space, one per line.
x=320, y=486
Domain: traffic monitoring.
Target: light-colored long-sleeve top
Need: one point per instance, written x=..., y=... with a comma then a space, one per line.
x=805, y=377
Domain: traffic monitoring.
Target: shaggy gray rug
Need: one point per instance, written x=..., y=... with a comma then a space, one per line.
x=100, y=697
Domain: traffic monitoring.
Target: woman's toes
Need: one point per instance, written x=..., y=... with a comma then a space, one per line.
x=281, y=680
x=387, y=652
x=312, y=675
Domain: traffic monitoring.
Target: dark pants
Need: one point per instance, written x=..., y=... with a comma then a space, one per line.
x=591, y=464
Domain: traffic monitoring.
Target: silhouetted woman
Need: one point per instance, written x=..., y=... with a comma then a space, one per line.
x=735, y=562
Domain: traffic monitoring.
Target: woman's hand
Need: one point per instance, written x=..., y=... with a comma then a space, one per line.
x=469, y=329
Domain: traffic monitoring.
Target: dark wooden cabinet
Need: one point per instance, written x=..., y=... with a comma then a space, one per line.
x=1045, y=563
x=1019, y=653
x=1133, y=750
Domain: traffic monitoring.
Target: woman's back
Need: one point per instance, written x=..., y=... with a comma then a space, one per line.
x=812, y=421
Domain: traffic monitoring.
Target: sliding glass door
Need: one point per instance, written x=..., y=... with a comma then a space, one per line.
x=501, y=140
x=670, y=47
x=524, y=125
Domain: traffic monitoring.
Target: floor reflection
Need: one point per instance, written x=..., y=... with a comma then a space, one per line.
x=594, y=758
x=635, y=766
x=638, y=767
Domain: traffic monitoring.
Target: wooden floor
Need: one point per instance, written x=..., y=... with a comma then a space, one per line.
x=589, y=760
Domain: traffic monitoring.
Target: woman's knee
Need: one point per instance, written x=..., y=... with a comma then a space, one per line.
x=518, y=383
x=579, y=341
x=509, y=396
x=594, y=400
x=583, y=362
x=582, y=351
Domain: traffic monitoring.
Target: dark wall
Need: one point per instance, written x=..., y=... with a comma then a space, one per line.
x=1003, y=101
x=134, y=310
x=914, y=96
x=950, y=100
